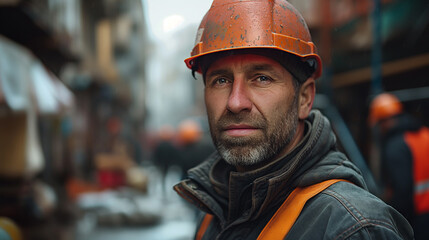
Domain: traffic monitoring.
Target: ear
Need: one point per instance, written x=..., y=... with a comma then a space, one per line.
x=306, y=98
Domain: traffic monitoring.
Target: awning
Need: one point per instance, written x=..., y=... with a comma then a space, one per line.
x=26, y=83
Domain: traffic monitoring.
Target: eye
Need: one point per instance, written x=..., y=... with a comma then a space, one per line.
x=220, y=81
x=263, y=78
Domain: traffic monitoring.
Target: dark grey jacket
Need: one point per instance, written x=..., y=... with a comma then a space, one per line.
x=243, y=203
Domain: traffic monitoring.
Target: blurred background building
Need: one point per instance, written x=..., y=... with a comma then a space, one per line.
x=368, y=47
x=87, y=89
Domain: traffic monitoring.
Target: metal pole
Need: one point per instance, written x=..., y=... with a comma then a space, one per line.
x=377, y=58
x=326, y=47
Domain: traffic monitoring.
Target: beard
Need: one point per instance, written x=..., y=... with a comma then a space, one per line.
x=252, y=150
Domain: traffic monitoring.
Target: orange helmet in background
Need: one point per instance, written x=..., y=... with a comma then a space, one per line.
x=189, y=131
x=383, y=106
x=9, y=229
x=237, y=24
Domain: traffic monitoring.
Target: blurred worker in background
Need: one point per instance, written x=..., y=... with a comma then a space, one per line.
x=274, y=153
x=166, y=152
x=404, y=149
x=194, y=147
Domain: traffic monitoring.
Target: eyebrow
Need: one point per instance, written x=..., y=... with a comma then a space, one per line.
x=218, y=72
x=263, y=67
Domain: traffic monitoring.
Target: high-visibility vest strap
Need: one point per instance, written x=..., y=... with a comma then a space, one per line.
x=203, y=227
x=282, y=221
x=284, y=218
x=418, y=142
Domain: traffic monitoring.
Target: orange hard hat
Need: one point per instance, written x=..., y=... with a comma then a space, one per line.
x=383, y=106
x=237, y=24
x=189, y=131
x=9, y=229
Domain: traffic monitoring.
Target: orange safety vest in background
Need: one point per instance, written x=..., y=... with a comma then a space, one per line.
x=282, y=221
x=418, y=142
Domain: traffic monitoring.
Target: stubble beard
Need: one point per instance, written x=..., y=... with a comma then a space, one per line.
x=249, y=151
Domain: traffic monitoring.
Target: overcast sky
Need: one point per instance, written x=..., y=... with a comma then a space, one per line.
x=165, y=15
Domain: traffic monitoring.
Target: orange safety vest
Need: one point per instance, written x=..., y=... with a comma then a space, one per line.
x=282, y=221
x=418, y=142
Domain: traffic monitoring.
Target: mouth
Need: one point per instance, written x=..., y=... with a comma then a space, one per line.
x=240, y=130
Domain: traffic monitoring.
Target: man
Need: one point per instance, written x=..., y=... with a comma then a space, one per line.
x=403, y=144
x=259, y=68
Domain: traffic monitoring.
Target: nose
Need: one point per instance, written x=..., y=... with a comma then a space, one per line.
x=239, y=99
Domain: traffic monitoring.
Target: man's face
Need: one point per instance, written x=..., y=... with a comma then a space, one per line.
x=252, y=108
